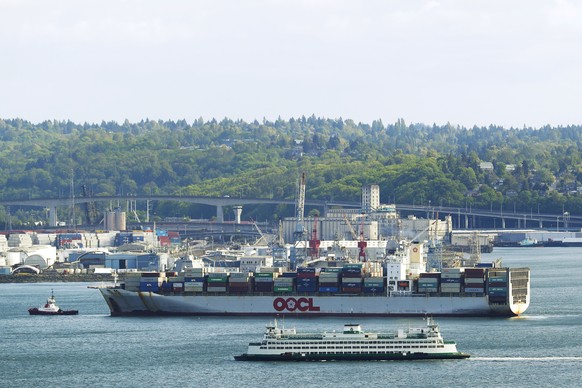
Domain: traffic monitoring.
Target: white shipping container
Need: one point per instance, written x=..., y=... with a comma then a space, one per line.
x=474, y=281
x=474, y=289
x=194, y=272
x=284, y=280
x=451, y=275
x=351, y=280
x=194, y=284
x=452, y=270
x=238, y=275
x=276, y=270
x=427, y=289
x=131, y=288
x=193, y=289
x=329, y=274
x=375, y=279
x=238, y=280
x=216, y=289
x=152, y=279
x=446, y=288
x=263, y=280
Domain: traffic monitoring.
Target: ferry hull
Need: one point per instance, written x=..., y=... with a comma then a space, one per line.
x=132, y=303
x=351, y=357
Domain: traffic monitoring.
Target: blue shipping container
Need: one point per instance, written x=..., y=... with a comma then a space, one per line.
x=302, y=288
x=373, y=289
x=328, y=289
x=149, y=286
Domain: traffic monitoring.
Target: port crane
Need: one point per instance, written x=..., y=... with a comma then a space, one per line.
x=300, y=209
x=351, y=228
x=362, y=244
x=90, y=210
x=314, y=243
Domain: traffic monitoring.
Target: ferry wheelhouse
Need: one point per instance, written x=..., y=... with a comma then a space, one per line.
x=280, y=344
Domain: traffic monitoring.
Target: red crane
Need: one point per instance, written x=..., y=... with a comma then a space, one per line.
x=314, y=242
x=362, y=244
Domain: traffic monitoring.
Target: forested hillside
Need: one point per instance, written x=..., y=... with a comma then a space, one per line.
x=528, y=168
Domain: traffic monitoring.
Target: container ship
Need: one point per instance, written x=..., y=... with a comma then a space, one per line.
x=359, y=289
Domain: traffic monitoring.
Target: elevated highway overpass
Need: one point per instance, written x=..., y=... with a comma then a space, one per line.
x=463, y=218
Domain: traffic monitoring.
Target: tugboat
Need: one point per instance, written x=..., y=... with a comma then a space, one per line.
x=353, y=344
x=51, y=308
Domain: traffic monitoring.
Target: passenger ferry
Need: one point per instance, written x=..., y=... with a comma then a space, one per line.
x=352, y=344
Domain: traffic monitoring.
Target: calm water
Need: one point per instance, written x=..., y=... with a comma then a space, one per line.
x=541, y=348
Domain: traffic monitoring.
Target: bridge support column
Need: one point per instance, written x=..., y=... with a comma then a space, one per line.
x=219, y=213
x=466, y=221
x=52, y=216
x=237, y=212
x=503, y=223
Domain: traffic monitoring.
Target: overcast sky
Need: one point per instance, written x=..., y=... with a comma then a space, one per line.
x=509, y=63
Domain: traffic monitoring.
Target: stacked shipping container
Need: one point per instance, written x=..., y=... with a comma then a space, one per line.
x=239, y=283
x=329, y=279
x=264, y=281
x=194, y=280
x=352, y=278
x=217, y=282
x=429, y=282
x=306, y=279
x=475, y=280
x=497, y=285
x=451, y=279
x=349, y=279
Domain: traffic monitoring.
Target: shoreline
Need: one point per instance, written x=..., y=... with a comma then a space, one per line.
x=55, y=278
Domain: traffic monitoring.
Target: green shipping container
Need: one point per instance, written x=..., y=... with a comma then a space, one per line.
x=282, y=289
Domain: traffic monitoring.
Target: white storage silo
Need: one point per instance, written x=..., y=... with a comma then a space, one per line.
x=120, y=220
x=14, y=257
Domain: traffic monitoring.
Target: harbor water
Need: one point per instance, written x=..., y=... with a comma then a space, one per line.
x=541, y=348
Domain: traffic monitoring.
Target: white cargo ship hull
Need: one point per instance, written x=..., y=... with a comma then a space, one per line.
x=123, y=302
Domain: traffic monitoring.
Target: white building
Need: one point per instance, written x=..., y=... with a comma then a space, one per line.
x=370, y=198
